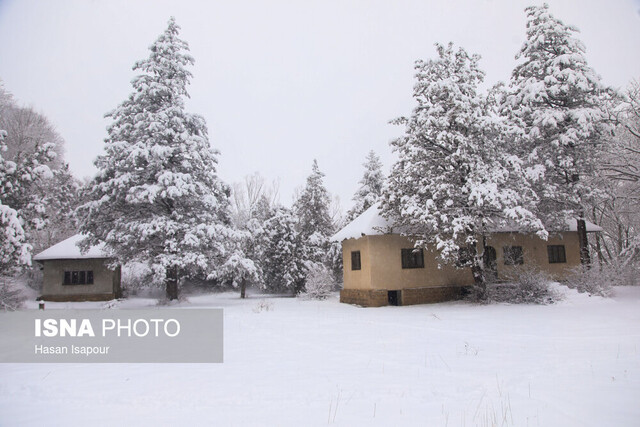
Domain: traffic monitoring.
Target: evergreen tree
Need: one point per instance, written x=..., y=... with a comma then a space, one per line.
x=157, y=197
x=312, y=207
x=46, y=205
x=21, y=209
x=370, y=186
x=314, y=219
x=556, y=103
x=453, y=183
x=283, y=253
x=60, y=196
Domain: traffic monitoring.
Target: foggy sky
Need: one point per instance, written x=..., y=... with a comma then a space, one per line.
x=279, y=82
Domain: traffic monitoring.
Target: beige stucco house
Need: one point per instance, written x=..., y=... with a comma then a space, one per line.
x=70, y=275
x=382, y=268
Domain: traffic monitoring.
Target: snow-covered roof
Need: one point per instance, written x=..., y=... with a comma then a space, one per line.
x=591, y=227
x=368, y=223
x=372, y=223
x=68, y=249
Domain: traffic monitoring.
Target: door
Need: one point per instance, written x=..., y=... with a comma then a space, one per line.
x=393, y=297
x=490, y=264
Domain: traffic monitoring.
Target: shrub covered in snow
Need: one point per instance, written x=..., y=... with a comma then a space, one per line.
x=599, y=280
x=263, y=305
x=136, y=276
x=319, y=283
x=525, y=286
x=11, y=296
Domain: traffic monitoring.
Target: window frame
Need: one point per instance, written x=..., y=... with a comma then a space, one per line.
x=556, y=254
x=356, y=261
x=77, y=277
x=412, y=258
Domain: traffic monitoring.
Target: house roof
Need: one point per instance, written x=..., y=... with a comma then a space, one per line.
x=68, y=249
x=372, y=223
x=368, y=223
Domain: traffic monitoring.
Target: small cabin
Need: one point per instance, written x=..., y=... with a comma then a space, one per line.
x=382, y=267
x=72, y=275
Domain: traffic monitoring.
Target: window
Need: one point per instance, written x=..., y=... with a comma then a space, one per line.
x=513, y=255
x=355, y=260
x=556, y=254
x=78, y=278
x=412, y=258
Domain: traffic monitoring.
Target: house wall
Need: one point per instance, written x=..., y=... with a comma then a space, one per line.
x=357, y=279
x=106, y=283
x=381, y=268
x=381, y=271
x=535, y=253
x=387, y=271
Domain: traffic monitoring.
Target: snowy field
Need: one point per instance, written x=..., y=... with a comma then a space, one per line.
x=302, y=363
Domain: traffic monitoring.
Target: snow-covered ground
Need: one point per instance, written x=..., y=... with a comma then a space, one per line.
x=302, y=363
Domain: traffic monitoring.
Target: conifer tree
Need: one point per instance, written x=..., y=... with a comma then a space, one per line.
x=13, y=248
x=283, y=253
x=312, y=207
x=556, y=104
x=370, y=186
x=60, y=196
x=157, y=197
x=453, y=183
x=314, y=220
x=22, y=210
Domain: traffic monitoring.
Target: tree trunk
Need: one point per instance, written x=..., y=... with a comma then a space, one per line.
x=585, y=258
x=598, y=246
x=243, y=289
x=171, y=282
x=477, y=269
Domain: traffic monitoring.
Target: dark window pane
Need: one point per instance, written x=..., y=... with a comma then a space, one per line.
x=67, y=278
x=74, y=277
x=83, y=277
x=355, y=260
x=556, y=254
x=90, y=277
x=412, y=258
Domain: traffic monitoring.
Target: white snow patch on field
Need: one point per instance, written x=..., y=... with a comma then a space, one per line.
x=576, y=363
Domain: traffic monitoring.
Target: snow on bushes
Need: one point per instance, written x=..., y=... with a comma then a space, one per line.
x=525, y=286
x=11, y=296
x=597, y=280
x=319, y=283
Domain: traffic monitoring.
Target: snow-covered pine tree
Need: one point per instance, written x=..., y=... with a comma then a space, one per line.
x=157, y=197
x=46, y=205
x=60, y=196
x=370, y=186
x=21, y=209
x=13, y=248
x=452, y=183
x=283, y=253
x=312, y=209
x=557, y=100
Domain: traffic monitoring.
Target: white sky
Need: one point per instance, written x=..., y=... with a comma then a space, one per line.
x=279, y=82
